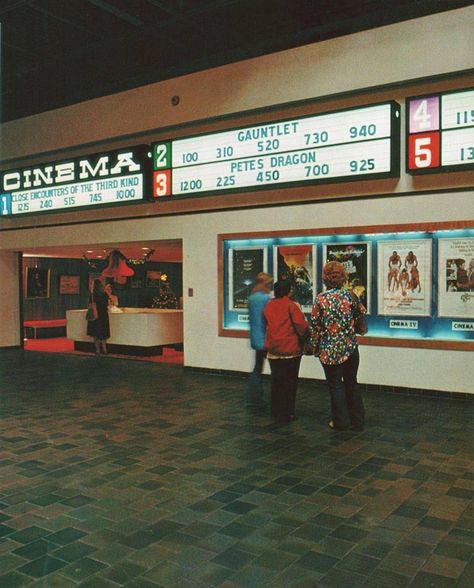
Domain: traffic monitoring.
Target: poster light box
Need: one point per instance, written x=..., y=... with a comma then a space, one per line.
x=113, y=178
x=359, y=143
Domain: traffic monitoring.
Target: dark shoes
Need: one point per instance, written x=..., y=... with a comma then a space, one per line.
x=332, y=426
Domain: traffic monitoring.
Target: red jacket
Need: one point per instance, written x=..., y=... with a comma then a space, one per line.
x=282, y=316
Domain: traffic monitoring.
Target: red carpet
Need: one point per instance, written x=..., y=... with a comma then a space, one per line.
x=63, y=345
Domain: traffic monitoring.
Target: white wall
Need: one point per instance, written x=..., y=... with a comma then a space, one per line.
x=9, y=300
x=380, y=365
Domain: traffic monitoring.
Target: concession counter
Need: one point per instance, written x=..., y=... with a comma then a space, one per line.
x=133, y=331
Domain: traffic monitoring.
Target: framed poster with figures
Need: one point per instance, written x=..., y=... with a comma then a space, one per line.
x=356, y=259
x=404, y=277
x=298, y=264
x=244, y=265
x=37, y=282
x=456, y=278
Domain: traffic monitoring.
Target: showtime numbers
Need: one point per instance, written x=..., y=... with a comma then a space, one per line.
x=314, y=148
x=363, y=131
x=440, y=132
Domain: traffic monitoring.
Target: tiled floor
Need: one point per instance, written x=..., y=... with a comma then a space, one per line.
x=123, y=473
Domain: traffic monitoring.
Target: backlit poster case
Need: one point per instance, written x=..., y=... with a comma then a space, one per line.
x=456, y=277
x=356, y=259
x=404, y=277
x=244, y=265
x=298, y=264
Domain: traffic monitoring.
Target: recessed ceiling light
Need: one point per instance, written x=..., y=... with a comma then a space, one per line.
x=145, y=249
x=89, y=251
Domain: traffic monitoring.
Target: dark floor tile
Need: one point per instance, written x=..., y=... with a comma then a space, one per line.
x=435, y=523
x=29, y=534
x=35, y=549
x=233, y=558
x=252, y=576
x=387, y=579
x=426, y=580
x=237, y=530
x=456, y=550
x=338, y=578
x=239, y=507
x=123, y=572
x=349, y=533
x=83, y=568
x=14, y=580
x=318, y=562
x=73, y=551
x=466, y=579
x=66, y=536
x=42, y=566
x=359, y=563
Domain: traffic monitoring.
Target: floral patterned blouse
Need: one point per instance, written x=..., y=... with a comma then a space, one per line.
x=332, y=325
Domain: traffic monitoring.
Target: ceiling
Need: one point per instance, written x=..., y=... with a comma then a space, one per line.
x=59, y=52
x=169, y=250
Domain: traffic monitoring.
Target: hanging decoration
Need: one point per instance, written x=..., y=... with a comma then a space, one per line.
x=116, y=265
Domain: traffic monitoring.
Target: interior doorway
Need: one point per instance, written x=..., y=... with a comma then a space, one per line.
x=56, y=287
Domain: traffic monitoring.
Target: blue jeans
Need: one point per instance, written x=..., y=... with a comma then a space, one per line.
x=254, y=394
x=347, y=407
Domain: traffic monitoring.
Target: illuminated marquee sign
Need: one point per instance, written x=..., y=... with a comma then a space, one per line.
x=102, y=179
x=352, y=144
x=440, y=132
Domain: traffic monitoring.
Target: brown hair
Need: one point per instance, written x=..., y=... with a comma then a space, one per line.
x=334, y=267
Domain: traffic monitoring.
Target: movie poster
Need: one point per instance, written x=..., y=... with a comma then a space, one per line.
x=404, y=277
x=356, y=259
x=244, y=265
x=456, y=277
x=298, y=264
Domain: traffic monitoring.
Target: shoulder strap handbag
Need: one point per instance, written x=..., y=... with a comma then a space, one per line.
x=91, y=314
x=306, y=345
x=360, y=326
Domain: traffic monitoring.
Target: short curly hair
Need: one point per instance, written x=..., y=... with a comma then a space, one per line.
x=334, y=274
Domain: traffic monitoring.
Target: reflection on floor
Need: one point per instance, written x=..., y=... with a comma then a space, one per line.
x=149, y=476
x=63, y=345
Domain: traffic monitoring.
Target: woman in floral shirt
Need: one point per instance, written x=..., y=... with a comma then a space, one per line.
x=332, y=322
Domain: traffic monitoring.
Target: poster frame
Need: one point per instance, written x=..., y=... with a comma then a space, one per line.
x=276, y=247
x=435, y=332
x=230, y=290
x=368, y=264
x=43, y=282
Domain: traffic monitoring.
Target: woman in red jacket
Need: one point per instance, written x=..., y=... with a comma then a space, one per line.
x=285, y=323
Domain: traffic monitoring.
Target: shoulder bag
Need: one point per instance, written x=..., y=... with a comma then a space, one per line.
x=92, y=314
x=306, y=345
x=360, y=326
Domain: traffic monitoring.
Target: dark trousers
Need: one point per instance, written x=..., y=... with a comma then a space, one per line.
x=254, y=395
x=347, y=407
x=284, y=382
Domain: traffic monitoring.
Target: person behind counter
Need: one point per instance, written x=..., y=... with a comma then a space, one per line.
x=166, y=297
x=113, y=302
x=100, y=328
